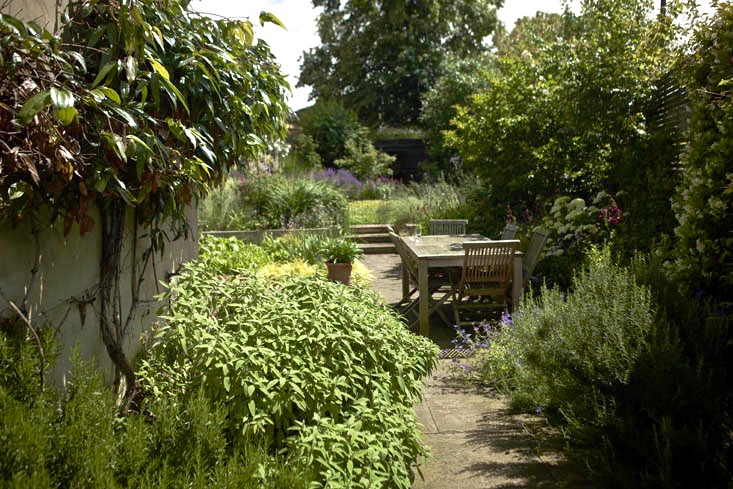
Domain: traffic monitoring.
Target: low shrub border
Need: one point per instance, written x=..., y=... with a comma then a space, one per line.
x=260, y=235
x=323, y=373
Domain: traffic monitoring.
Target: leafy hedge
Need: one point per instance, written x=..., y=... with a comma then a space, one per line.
x=703, y=203
x=326, y=373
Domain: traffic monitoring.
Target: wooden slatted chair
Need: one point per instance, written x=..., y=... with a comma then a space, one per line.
x=509, y=232
x=448, y=226
x=485, y=277
x=437, y=283
x=531, y=257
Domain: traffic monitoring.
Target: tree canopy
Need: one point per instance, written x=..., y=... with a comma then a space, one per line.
x=532, y=33
x=568, y=117
x=378, y=57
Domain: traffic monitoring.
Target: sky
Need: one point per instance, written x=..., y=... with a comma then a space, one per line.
x=299, y=18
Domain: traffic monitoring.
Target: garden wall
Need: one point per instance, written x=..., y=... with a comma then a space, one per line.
x=63, y=291
x=46, y=13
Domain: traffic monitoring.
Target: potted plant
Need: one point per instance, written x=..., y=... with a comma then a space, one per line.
x=340, y=254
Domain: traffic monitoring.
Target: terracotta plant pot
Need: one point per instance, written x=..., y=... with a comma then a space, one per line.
x=339, y=272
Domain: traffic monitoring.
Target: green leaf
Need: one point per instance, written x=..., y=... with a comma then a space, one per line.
x=111, y=94
x=155, y=87
x=175, y=128
x=103, y=72
x=139, y=168
x=139, y=142
x=125, y=193
x=243, y=31
x=32, y=106
x=61, y=99
x=131, y=68
x=13, y=24
x=227, y=383
x=79, y=60
x=160, y=69
x=158, y=36
x=269, y=17
x=126, y=116
x=101, y=184
x=15, y=191
x=66, y=115
x=190, y=135
x=170, y=86
x=208, y=153
x=96, y=94
x=116, y=144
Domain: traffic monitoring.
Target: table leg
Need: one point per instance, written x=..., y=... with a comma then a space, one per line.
x=405, y=282
x=424, y=304
x=516, y=283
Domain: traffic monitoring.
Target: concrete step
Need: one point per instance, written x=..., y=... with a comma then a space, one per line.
x=371, y=238
x=377, y=248
x=369, y=228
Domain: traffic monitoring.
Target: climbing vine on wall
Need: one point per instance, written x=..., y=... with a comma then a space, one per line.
x=137, y=106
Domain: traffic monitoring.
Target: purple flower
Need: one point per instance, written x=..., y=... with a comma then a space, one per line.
x=538, y=409
x=466, y=368
x=506, y=318
x=339, y=176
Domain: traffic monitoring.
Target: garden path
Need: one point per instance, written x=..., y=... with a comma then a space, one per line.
x=476, y=442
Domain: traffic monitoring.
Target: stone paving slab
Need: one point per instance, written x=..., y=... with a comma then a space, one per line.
x=476, y=442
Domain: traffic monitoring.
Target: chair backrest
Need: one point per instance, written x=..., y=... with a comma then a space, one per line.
x=510, y=230
x=448, y=226
x=408, y=262
x=487, y=267
x=529, y=259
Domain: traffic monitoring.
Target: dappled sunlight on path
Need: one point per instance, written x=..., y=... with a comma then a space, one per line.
x=476, y=442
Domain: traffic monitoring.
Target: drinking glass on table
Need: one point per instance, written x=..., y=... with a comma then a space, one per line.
x=418, y=232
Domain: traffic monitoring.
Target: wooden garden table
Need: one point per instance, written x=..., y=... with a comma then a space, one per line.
x=439, y=251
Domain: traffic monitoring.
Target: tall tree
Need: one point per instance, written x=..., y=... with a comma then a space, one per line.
x=532, y=33
x=379, y=56
x=569, y=118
